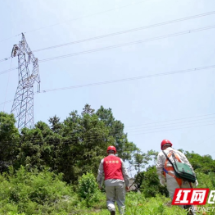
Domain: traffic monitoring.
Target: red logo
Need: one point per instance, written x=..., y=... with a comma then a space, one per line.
x=186, y=196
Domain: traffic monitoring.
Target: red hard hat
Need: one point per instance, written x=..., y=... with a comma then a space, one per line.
x=164, y=142
x=111, y=148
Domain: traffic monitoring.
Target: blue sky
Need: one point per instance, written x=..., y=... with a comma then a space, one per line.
x=180, y=107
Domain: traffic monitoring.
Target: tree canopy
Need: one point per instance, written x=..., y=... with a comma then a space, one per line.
x=73, y=146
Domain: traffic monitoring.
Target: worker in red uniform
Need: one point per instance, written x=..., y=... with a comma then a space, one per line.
x=116, y=180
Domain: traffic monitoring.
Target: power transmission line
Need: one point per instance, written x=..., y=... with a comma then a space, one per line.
x=121, y=45
x=128, y=31
x=86, y=136
x=173, y=120
x=78, y=18
x=93, y=135
x=129, y=43
x=6, y=102
x=123, y=32
x=156, y=131
x=131, y=79
x=171, y=125
x=8, y=70
x=126, y=79
x=7, y=83
x=86, y=16
x=4, y=59
x=9, y=38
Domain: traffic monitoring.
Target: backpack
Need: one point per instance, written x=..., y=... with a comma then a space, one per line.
x=182, y=170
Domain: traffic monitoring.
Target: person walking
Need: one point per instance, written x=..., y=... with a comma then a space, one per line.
x=112, y=168
x=166, y=172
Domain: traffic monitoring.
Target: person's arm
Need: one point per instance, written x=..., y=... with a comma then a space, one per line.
x=159, y=167
x=125, y=175
x=159, y=164
x=100, y=174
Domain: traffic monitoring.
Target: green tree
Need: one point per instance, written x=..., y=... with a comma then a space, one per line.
x=30, y=150
x=85, y=146
x=124, y=147
x=204, y=163
x=9, y=140
x=141, y=160
x=87, y=110
x=55, y=124
x=74, y=146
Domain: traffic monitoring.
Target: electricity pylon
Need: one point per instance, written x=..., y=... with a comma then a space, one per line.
x=28, y=73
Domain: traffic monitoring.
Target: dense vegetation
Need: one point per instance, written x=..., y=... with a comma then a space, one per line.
x=72, y=147
x=51, y=169
x=43, y=192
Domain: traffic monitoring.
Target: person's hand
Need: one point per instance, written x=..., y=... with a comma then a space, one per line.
x=127, y=189
x=162, y=181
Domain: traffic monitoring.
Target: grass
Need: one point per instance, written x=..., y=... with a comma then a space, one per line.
x=31, y=193
x=137, y=204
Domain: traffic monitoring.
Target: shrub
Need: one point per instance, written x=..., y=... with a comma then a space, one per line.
x=151, y=185
x=88, y=188
x=35, y=193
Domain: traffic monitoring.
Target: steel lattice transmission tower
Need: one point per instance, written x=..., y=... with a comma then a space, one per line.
x=28, y=73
